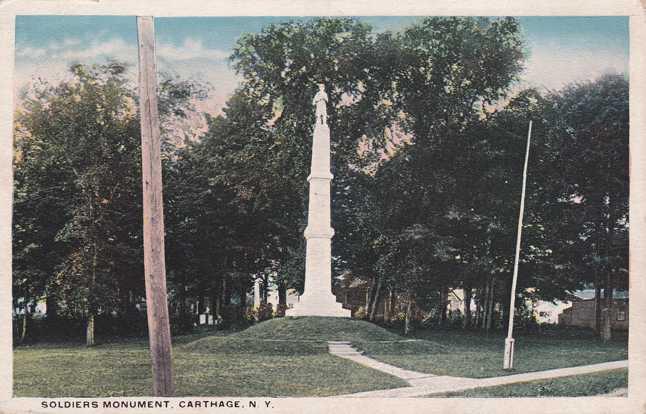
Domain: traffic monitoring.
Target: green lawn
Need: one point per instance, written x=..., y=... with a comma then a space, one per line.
x=469, y=354
x=123, y=369
x=286, y=357
x=577, y=386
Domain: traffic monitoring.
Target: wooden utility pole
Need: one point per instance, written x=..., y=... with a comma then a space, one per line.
x=154, y=262
x=509, y=341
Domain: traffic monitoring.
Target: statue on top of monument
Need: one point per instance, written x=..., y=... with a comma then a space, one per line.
x=320, y=101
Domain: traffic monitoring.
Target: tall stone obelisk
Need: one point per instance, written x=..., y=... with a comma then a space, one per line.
x=317, y=299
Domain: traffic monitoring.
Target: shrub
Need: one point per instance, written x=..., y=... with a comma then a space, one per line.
x=280, y=310
x=265, y=311
x=360, y=313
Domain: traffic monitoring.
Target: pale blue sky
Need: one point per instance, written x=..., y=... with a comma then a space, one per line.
x=561, y=49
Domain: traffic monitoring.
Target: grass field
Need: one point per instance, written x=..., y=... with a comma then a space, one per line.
x=578, y=386
x=474, y=355
x=250, y=369
x=286, y=357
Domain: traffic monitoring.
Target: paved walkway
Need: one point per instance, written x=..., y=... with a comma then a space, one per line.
x=343, y=349
x=423, y=384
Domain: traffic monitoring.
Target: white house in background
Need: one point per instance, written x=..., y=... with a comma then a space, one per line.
x=548, y=312
x=456, y=302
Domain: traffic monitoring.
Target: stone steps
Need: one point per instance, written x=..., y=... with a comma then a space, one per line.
x=342, y=348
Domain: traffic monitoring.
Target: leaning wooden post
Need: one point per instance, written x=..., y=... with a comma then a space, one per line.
x=154, y=263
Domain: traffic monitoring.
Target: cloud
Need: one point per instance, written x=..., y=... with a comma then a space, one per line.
x=73, y=49
x=553, y=67
x=31, y=53
x=189, y=50
x=115, y=48
x=51, y=62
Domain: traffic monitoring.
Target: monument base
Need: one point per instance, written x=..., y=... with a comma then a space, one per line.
x=318, y=306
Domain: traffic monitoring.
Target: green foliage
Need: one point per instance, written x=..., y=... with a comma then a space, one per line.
x=427, y=149
x=81, y=130
x=582, y=209
x=430, y=82
x=77, y=193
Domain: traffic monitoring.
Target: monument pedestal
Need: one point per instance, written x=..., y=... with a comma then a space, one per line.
x=311, y=305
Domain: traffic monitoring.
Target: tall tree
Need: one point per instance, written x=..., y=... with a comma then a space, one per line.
x=71, y=138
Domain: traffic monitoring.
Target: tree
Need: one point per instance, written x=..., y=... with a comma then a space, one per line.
x=585, y=190
x=71, y=138
x=446, y=72
x=375, y=83
x=84, y=129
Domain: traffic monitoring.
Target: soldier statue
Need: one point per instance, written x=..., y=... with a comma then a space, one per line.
x=320, y=101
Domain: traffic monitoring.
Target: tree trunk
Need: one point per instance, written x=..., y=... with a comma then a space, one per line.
x=388, y=306
x=393, y=303
x=183, y=299
x=375, y=300
x=478, y=314
x=444, y=296
x=52, y=307
x=467, y=308
x=89, y=330
x=607, y=311
x=485, y=305
x=607, y=328
x=23, y=329
x=597, y=308
x=226, y=292
x=282, y=299
x=218, y=303
x=201, y=308
x=409, y=310
x=492, y=291
x=370, y=293
x=282, y=294
x=264, y=290
x=214, y=294
x=242, y=291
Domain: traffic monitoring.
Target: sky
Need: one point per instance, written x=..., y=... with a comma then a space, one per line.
x=561, y=49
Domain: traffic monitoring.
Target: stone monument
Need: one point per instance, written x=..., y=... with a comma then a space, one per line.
x=317, y=298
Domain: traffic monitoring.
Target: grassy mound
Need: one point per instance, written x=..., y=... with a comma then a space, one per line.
x=316, y=328
x=304, y=336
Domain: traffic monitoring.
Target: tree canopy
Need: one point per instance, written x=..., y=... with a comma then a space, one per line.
x=428, y=134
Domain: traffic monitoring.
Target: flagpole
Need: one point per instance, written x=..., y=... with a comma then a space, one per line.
x=509, y=341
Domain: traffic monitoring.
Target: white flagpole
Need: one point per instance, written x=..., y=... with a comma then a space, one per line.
x=509, y=341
